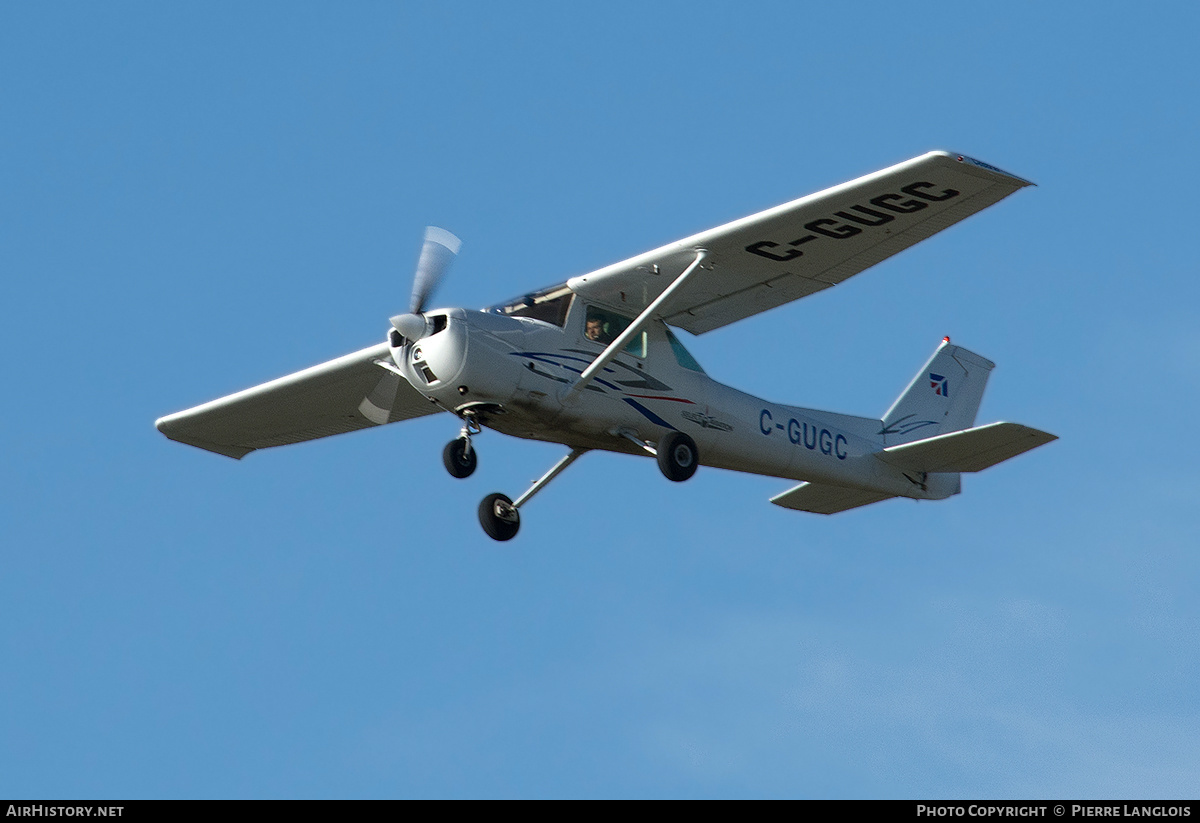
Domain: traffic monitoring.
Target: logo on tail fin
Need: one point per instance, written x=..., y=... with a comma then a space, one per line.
x=940, y=384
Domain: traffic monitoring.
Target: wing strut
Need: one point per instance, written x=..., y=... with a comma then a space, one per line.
x=634, y=329
x=554, y=472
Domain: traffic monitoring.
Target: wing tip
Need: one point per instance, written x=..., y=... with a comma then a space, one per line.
x=958, y=157
x=163, y=424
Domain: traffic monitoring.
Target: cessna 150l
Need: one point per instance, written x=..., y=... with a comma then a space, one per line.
x=592, y=363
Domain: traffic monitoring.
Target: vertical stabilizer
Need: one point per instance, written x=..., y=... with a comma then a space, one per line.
x=944, y=396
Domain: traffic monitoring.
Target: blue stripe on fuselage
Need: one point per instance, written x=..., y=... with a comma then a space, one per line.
x=651, y=416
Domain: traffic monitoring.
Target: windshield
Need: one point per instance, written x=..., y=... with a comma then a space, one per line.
x=548, y=305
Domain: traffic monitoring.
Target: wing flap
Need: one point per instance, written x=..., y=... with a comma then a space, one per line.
x=969, y=450
x=799, y=248
x=339, y=396
x=824, y=498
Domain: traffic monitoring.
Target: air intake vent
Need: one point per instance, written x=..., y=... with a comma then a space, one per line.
x=421, y=367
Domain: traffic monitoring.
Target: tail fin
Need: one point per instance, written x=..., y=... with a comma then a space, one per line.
x=944, y=396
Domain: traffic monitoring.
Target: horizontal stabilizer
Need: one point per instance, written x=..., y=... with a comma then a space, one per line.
x=823, y=498
x=969, y=450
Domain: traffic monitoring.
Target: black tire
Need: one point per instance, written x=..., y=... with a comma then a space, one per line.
x=499, y=527
x=678, y=456
x=458, y=461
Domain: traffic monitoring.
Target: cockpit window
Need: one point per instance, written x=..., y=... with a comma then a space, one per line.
x=548, y=305
x=682, y=355
x=603, y=327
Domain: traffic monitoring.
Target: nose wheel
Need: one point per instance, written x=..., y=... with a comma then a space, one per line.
x=458, y=457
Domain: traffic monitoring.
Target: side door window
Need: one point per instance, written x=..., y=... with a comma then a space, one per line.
x=603, y=326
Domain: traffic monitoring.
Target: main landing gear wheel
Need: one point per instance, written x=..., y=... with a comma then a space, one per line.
x=677, y=456
x=459, y=458
x=499, y=517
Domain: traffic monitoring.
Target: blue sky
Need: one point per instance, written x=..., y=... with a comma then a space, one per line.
x=195, y=198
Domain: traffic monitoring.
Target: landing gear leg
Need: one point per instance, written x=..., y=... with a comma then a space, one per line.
x=499, y=516
x=458, y=457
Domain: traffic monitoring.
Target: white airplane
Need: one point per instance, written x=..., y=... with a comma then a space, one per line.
x=592, y=363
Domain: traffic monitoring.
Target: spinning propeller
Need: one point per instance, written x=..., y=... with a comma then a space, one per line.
x=436, y=255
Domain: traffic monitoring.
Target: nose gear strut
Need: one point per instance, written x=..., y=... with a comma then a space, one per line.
x=458, y=456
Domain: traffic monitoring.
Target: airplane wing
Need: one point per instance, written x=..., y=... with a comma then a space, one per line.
x=794, y=250
x=342, y=395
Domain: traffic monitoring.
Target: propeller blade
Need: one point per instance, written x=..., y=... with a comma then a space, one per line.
x=436, y=255
x=377, y=406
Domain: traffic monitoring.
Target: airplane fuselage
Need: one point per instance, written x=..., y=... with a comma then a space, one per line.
x=515, y=373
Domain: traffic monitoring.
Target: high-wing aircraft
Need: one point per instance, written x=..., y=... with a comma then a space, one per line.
x=592, y=363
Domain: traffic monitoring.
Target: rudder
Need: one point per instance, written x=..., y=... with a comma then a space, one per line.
x=944, y=396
